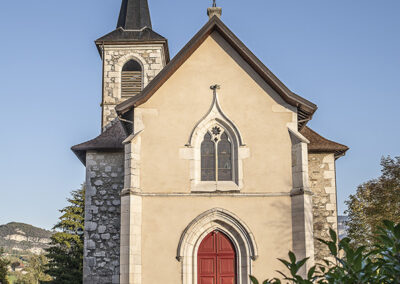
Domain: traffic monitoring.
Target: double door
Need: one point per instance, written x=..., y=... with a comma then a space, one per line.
x=216, y=260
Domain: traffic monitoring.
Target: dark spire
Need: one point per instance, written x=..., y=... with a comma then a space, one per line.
x=134, y=15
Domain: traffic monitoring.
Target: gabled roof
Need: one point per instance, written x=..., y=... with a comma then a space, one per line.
x=319, y=144
x=134, y=15
x=110, y=140
x=305, y=107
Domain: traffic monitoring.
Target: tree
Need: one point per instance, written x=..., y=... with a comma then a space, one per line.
x=3, y=268
x=34, y=273
x=374, y=201
x=352, y=263
x=66, y=248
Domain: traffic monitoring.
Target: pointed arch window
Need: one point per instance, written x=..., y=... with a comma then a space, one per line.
x=216, y=156
x=131, y=79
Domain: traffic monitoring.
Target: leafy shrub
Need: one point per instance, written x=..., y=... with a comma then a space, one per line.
x=351, y=264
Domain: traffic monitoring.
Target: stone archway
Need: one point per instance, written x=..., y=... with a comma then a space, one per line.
x=227, y=223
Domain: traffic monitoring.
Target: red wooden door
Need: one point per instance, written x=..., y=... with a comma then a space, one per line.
x=216, y=260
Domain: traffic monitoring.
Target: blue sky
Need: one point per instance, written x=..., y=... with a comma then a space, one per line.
x=342, y=55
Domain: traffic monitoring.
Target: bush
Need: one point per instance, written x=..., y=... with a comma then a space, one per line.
x=352, y=264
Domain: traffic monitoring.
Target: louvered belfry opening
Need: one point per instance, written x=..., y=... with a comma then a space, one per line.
x=131, y=79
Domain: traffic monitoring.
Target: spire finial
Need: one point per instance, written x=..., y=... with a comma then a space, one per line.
x=214, y=10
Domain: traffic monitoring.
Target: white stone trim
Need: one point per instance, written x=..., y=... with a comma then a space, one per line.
x=131, y=214
x=215, y=117
x=121, y=63
x=297, y=134
x=212, y=194
x=230, y=225
x=131, y=240
x=301, y=201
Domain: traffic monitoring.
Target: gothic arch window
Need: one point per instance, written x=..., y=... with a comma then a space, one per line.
x=216, y=155
x=131, y=79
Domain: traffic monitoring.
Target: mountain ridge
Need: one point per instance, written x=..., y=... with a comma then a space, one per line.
x=24, y=238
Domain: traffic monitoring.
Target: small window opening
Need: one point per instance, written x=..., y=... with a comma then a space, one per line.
x=131, y=79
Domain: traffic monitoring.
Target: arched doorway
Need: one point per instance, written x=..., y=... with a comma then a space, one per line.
x=216, y=260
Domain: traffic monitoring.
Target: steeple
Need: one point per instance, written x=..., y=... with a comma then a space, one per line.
x=134, y=26
x=133, y=54
x=134, y=15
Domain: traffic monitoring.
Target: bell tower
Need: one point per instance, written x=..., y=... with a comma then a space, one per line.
x=133, y=54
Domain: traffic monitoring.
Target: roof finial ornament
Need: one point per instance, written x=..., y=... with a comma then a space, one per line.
x=215, y=88
x=214, y=10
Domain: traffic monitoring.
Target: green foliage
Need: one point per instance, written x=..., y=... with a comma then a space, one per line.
x=373, y=202
x=3, y=268
x=34, y=272
x=66, y=251
x=352, y=264
x=388, y=246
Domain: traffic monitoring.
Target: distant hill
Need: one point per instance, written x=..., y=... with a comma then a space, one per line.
x=23, y=238
x=342, y=227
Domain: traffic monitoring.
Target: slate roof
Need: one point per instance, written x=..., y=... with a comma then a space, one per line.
x=121, y=35
x=319, y=144
x=134, y=15
x=110, y=140
x=134, y=26
x=305, y=107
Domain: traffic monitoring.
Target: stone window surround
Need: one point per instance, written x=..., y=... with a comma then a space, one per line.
x=229, y=224
x=150, y=56
x=192, y=151
x=121, y=63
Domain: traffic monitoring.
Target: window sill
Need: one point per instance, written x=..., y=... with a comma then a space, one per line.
x=212, y=186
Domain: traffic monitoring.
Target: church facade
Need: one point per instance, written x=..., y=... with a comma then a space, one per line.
x=205, y=170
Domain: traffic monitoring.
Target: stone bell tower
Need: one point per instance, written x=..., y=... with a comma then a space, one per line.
x=133, y=54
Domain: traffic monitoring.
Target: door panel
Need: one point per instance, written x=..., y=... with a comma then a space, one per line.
x=207, y=266
x=207, y=280
x=227, y=280
x=216, y=260
x=226, y=266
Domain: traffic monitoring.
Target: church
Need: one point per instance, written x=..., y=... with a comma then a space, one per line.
x=205, y=171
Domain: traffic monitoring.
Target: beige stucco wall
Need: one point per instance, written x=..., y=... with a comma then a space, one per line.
x=159, y=175
x=165, y=218
x=172, y=112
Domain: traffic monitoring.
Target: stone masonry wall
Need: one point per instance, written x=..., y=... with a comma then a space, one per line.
x=104, y=182
x=150, y=56
x=323, y=185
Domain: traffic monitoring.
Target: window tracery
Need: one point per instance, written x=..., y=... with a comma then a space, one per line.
x=216, y=155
